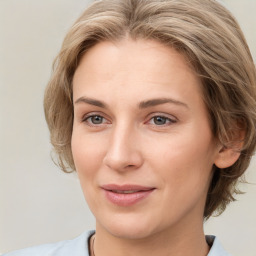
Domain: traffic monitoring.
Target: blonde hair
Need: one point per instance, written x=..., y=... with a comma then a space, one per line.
x=203, y=31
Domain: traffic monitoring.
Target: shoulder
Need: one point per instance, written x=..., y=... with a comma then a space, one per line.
x=216, y=247
x=74, y=247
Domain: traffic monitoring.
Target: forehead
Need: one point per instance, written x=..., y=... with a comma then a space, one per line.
x=130, y=70
x=133, y=61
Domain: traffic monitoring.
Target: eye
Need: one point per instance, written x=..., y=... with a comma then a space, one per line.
x=94, y=120
x=161, y=120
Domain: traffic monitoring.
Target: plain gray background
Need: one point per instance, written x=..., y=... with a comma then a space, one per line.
x=39, y=203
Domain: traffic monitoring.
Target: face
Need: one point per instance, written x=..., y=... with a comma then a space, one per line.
x=142, y=143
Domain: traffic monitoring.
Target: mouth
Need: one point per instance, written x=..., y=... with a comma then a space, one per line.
x=125, y=191
x=126, y=195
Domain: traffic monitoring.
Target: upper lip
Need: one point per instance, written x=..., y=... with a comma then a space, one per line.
x=126, y=187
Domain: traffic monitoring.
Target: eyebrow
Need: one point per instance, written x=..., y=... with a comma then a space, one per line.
x=155, y=102
x=142, y=105
x=91, y=101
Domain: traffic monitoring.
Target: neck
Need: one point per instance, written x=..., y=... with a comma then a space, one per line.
x=164, y=243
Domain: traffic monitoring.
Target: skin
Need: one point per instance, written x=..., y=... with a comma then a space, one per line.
x=119, y=139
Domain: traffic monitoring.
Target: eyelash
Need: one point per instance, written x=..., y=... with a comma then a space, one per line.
x=88, y=119
x=167, y=120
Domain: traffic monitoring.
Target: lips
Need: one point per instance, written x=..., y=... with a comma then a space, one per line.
x=126, y=195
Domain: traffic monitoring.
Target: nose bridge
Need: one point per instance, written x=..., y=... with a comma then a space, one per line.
x=123, y=151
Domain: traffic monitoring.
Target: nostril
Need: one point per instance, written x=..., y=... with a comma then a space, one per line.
x=122, y=159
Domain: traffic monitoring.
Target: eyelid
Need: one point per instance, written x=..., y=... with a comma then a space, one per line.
x=171, y=118
x=92, y=114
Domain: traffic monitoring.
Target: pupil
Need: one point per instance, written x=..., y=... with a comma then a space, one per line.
x=96, y=119
x=159, y=120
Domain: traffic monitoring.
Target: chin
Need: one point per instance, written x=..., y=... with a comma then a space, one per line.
x=130, y=227
x=130, y=232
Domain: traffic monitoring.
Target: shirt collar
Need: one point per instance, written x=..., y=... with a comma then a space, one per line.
x=216, y=247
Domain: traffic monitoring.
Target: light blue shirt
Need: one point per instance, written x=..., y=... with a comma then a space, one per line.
x=79, y=247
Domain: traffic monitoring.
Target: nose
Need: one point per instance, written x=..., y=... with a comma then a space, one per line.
x=124, y=152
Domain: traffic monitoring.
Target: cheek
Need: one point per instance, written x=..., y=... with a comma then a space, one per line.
x=87, y=159
x=185, y=178
x=185, y=161
x=87, y=156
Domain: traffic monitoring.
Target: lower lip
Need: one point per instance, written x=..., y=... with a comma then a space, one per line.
x=127, y=199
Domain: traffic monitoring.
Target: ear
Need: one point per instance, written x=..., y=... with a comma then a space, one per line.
x=228, y=155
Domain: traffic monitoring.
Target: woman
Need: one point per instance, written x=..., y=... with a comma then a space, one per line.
x=152, y=102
